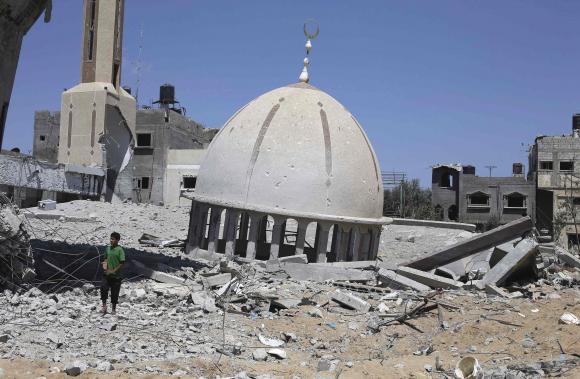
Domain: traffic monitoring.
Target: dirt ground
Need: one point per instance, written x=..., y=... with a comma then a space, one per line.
x=496, y=332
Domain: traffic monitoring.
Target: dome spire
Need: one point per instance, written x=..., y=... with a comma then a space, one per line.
x=304, y=77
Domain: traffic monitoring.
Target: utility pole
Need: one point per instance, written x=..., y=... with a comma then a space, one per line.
x=490, y=167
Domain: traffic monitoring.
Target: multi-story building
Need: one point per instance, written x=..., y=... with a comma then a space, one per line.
x=555, y=168
x=168, y=150
x=459, y=195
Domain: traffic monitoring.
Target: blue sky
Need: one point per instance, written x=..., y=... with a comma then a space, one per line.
x=430, y=81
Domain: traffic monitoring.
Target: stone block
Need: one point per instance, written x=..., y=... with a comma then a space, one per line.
x=350, y=301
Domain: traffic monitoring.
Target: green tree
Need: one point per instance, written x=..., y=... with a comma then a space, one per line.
x=416, y=201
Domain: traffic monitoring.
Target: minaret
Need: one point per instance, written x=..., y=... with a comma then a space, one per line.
x=97, y=125
x=102, y=41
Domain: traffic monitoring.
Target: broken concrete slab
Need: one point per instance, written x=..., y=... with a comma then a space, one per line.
x=170, y=289
x=350, y=301
x=568, y=258
x=491, y=289
x=158, y=276
x=514, y=257
x=216, y=280
x=434, y=224
x=285, y=303
x=396, y=281
x=428, y=279
x=480, y=242
x=274, y=264
x=320, y=273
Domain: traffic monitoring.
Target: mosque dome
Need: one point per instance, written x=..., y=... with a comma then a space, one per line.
x=297, y=152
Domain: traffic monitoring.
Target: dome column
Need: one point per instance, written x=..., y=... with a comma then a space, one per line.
x=232, y=216
x=197, y=225
x=322, y=241
x=340, y=242
x=375, y=241
x=301, y=236
x=364, y=245
x=214, y=229
x=276, y=237
x=255, y=219
x=353, y=244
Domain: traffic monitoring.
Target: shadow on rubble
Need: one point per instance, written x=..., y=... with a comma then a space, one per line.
x=77, y=264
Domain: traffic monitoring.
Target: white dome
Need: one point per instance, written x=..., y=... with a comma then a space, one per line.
x=294, y=151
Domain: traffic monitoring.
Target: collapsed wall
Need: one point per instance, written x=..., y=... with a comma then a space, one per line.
x=16, y=261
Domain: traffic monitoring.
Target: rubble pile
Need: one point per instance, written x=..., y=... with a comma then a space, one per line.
x=498, y=303
x=16, y=261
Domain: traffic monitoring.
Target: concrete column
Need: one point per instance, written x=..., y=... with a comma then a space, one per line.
x=343, y=243
x=300, y=236
x=230, y=232
x=197, y=226
x=353, y=243
x=191, y=231
x=244, y=226
x=276, y=237
x=322, y=241
x=255, y=219
x=375, y=242
x=214, y=229
x=364, y=244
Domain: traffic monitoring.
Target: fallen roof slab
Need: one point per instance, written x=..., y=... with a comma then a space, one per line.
x=568, y=258
x=299, y=271
x=434, y=224
x=509, y=263
x=396, y=281
x=473, y=245
x=428, y=279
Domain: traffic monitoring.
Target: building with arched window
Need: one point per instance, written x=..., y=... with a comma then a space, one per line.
x=460, y=195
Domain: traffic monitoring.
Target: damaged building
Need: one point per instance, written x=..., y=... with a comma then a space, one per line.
x=458, y=194
x=149, y=155
x=555, y=164
x=166, y=155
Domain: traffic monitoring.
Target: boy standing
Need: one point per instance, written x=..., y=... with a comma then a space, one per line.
x=114, y=261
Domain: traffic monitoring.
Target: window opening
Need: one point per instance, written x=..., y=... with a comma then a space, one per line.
x=546, y=165
x=143, y=139
x=143, y=183
x=189, y=182
x=566, y=166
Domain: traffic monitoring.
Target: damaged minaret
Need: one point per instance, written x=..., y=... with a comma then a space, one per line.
x=292, y=158
x=97, y=124
x=16, y=262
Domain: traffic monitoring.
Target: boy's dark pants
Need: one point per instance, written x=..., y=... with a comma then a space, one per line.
x=110, y=282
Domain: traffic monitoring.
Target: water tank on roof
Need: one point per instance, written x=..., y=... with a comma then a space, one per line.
x=167, y=94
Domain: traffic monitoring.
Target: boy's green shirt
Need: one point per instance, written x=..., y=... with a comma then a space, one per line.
x=115, y=256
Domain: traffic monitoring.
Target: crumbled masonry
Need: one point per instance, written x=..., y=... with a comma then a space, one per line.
x=287, y=317
x=16, y=261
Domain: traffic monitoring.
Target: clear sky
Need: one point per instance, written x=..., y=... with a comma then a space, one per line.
x=430, y=81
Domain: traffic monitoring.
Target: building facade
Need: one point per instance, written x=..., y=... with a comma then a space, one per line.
x=169, y=148
x=460, y=195
x=555, y=167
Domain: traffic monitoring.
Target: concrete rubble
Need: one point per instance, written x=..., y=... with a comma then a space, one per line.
x=16, y=260
x=179, y=315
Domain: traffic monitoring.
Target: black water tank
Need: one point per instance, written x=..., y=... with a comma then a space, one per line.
x=167, y=94
x=576, y=121
x=518, y=169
